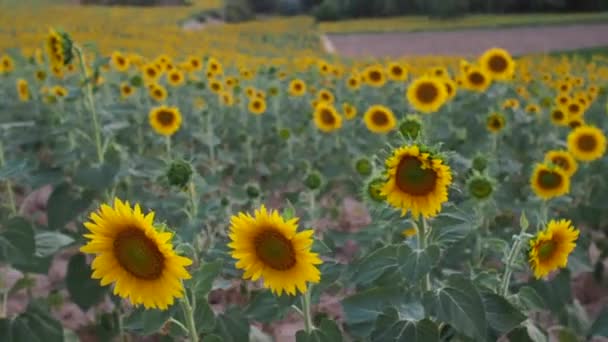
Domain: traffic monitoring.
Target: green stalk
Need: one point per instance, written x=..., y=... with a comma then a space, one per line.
x=193, y=201
x=513, y=253
x=168, y=146
x=308, y=326
x=422, y=233
x=210, y=138
x=9, y=186
x=189, y=316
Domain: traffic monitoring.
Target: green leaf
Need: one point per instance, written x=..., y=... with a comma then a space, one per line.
x=147, y=321
x=459, y=304
x=48, y=243
x=64, y=206
x=203, y=278
x=556, y=292
x=327, y=331
x=98, y=177
x=600, y=326
x=232, y=326
x=530, y=299
x=204, y=316
x=13, y=168
x=501, y=315
x=417, y=263
x=212, y=338
x=365, y=306
x=451, y=226
x=390, y=328
x=527, y=333
x=17, y=245
x=83, y=290
x=263, y=308
x=372, y=266
x=34, y=325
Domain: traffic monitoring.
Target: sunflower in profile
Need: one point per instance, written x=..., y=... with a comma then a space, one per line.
x=165, y=120
x=350, y=111
x=175, y=78
x=326, y=117
x=257, y=106
x=477, y=79
x=497, y=63
x=559, y=117
x=375, y=76
x=119, y=61
x=587, y=143
x=450, y=87
x=23, y=90
x=396, y=71
x=416, y=181
x=269, y=247
x=126, y=90
x=550, y=248
x=549, y=181
x=158, y=92
x=324, y=95
x=58, y=48
x=379, y=119
x=134, y=255
x=495, y=122
x=564, y=160
x=427, y=94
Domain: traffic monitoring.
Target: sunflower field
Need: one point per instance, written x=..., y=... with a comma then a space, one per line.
x=238, y=184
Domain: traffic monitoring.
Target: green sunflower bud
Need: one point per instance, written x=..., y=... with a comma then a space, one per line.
x=364, y=167
x=179, y=173
x=374, y=187
x=480, y=163
x=480, y=186
x=284, y=133
x=410, y=127
x=253, y=190
x=313, y=180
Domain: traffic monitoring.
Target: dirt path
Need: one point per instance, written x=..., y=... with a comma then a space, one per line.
x=471, y=42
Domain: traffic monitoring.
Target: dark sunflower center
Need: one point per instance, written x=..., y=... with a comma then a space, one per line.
x=546, y=249
x=427, y=92
x=352, y=82
x=275, y=250
x=175, y=77
x=325, y=97
x=214, y=67
x=561, y=162
x=496, y=123
x=138, y=254
x=587, y=142
x=573, y=108
x=297, y=87
x=549, y=179
x=121, y=61
x=215, y=86
x=380, y=118
x=158, y=93
x=194, y=63
x=574, y=124
x=497, y=63
x=413, y=179
x=397, y=71
x=375, y=76
x=327, y=117
x=257, y=105
x=564, y=87
x=558, y=115
x=151, y=72
x=165, y=118
x=476, y=78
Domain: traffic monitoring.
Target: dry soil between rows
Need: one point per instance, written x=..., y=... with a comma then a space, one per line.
x=522, y=40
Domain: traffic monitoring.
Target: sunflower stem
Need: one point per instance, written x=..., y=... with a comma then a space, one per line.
x=422, y=233
x=189, y=316
x=4, y=300
x=168, y=146
x=308, y=326
x=193, y=201
x=179, y=324
x=210, y=138
x=9, y=187
x=513, y=253
x=91, y=103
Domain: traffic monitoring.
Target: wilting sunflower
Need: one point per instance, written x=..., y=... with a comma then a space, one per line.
x=165, y=120
x=326, y=117
x=495, y=122
x=559, y=117
x=549, y=181
x=477, y=79
x=350, y=111
x=175, y=78
x=324, y=95
x=126, y=90
x=158, y=92
x=257, y=106
x=23, y=90
x=564, y=160
x=416, y=181
x=427, y=94
x=379, y=119
x=119, y=61
x=269, y=247
x=550, y=248
x=587, y=143
x=131, y=253
x=375, y=76
x=497, y=63
x=396, y=71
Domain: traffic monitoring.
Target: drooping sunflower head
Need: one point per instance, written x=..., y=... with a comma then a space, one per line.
x=427, y=94
x=269, y=247
x=257, y=106
x=495, y=122
x=477, y=79
x=587, y=143
x=165, y=120
x=549, y=181
x=550, y=248
x=380, y=119
x=326, y=118
x=375, y=76
x=131, y=253
x=562, y=159
x=416, y=181
x=497, y=63
x=58, y=48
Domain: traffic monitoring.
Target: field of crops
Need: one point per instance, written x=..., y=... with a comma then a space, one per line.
x=235, y=183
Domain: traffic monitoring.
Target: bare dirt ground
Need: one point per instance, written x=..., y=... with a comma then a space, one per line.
x=523, y=40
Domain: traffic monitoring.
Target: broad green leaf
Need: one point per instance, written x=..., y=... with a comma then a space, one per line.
x=327, y=331
x=417, y=263
x=232, y=326
x=556, y=292
x=204, y=316
x=13, y=169
x=389, y=327
x=452, y=225
x=600, y=326
x=64, y=206
x=83, y=290
x=374, y=264
x=48, y=243
x=530, y=299
x=263, y=307
x=501, y=315
x=97, y=177
x=17, y=245
x=203, y=278
x=147, y=321
x=34, y=325
x=365, y=306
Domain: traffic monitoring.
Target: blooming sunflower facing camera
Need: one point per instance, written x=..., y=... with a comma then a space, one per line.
x=564, y=160
x=587, y=143
x=550, y=248
x=497, y=63
x=131, y=253
x=427, y=94
x=269, y=247
x=165, y=120
x=380, y=119
x=416, y=181
x=549, y=181
x=326, y=117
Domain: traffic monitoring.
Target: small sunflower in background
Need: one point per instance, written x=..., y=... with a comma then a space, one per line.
x=396, y=71
x=126, y=90
x=157, y=92
x=297, y=88
x=326, y=118
x=379, y=119
x=450, y=87
x=477, y=79
x=6, y=64
x=574, y=109
x=497, y=63
x=119, y=61
x=165, y=120
x=40, y=75
x=562, y=100
x=195, y=63
x=551, y=247
x=559, y=117
x=257, y=106
x=269, y=247
x=409, y=232
x=175, y=78
x=350, y=111
x=417, y=181
x=575, y=122
x=564, y=160
x=549, y=181
x=375, y=76
x=151, y=73
x=216, y=86
x=23, y=90
x=532, y=108
x=353, y=82
x=325, y=95
x=427, y=94
x=134, y=255
x=587, y=143
x=495, y=122
x=59, y=91
x=214, y=67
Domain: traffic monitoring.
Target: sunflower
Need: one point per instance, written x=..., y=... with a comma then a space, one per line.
x=214, y=67
x=227, y=98
x=297, y=87
x=396, y=71
x=587, y=143
x=41, y=75
x=439, y=71
x=59, y=91
x=165, y=120
x=563, y=87
x=324, y=95
x=119, y=62
x=427, y=94
x=157, y=92
x=409, y=232
x=353, y=82
x=56, y=48
x=126, y=90
x=326, y=117
x=350, y=111
x=477, y=79
x=416, y=181
x=379, y=119
x=450, y=87
x=550, y=248
x=574, y=109
x=23, y=90
x=559, y=117
x=175, y=78
x=195, y=63
x=375, y=76
x=151, y=73
x=130, y=252
x=549, y=181
x=216, y=86
x=497, y=63
x=6, y=64
x=495, y=122
x=533, y=108
x=269, y=247
x=563, y=160
x=257, y=106
x=575, y=122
